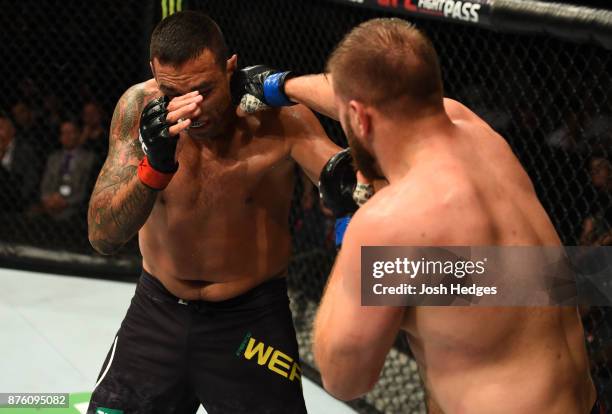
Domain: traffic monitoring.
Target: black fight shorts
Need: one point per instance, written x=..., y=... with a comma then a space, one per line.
x=235, y=356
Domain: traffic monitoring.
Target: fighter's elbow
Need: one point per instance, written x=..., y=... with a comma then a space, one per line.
x=345, y=380
x=347, y=388
x=100, y=236
x=102, y=246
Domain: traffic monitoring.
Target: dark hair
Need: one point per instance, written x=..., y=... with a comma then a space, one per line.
x=383, y=60
x=184, y=35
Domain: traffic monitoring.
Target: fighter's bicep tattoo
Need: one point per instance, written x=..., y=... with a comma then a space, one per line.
x=124, y=150
x=120, y=205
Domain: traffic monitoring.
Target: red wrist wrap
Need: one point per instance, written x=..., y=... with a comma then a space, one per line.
x=151, y=177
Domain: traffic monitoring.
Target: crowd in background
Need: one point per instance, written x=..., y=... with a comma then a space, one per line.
x=565, y=144
x=51, y=154
x=50, y=157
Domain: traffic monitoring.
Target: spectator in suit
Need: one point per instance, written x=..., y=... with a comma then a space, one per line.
x=19, y=175
x=94, y=135
x=66, y=181
x=51, y=113
x=25, y=122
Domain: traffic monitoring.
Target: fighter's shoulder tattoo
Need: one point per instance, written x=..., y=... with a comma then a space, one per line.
x=125, y=151
x=125, y=121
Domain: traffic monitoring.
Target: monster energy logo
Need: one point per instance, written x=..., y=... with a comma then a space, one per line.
x=170, y=7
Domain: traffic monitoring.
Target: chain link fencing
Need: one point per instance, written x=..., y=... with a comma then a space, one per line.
x=65, y=64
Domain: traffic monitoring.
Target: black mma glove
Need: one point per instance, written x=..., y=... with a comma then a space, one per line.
x=340, y=191
x=159, y=164
x=337, y=183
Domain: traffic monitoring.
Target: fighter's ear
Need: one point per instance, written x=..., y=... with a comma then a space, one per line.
x=231, y=64
x=359, y=117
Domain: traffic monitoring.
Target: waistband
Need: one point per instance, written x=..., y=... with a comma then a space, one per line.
x=269, y=291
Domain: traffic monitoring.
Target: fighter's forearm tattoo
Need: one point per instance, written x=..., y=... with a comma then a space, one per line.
x=120, y=204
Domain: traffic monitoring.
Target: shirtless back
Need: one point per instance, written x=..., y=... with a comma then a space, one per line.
x=466, y=188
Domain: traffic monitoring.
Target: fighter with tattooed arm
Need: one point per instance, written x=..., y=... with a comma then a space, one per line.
x=208, y=190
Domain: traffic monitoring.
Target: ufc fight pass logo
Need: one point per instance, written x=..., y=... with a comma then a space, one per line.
x=467, y=11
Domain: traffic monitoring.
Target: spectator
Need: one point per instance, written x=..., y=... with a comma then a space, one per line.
x=567, y=135
x=28, y=90
x=19, y=175
x=52, y=113
x=597, y=228
x=592, y=125
x=24, y=120
x=28, y=129
x=93, y=136
x=66, y=180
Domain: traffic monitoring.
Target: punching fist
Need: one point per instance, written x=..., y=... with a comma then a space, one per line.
x=258, y=87
x=341, y=191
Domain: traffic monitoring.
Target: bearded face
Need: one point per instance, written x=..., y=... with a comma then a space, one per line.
x=364, y=159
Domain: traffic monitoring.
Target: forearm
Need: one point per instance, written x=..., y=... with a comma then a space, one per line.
x=118, y=211
x=344, y=371
x=314, y=91
x=339, y=355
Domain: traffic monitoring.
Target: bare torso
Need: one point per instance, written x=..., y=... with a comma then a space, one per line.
x=221, y=226
x=489, y=360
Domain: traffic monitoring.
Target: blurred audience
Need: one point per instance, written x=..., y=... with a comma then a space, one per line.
x=598, y=126
x=24, y=122
x=19, y=174
x=94, y=136
x=51, y=113
x=567, y=136
x=30, y=128
x=28, y=90
x=66, y=180
x=597, y=228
